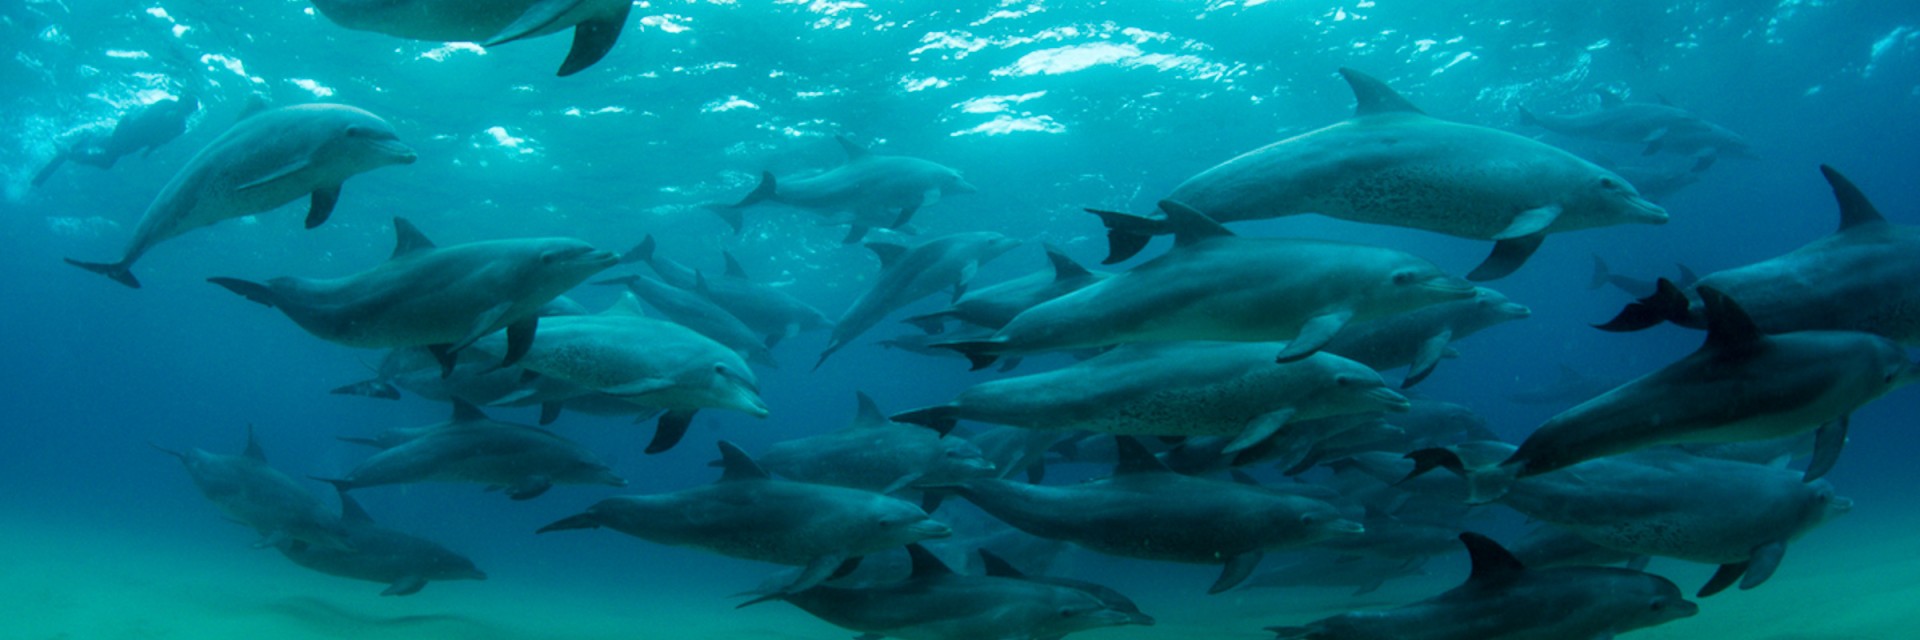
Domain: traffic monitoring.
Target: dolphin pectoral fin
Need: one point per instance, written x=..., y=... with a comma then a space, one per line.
x=529, y=487
x=1530, y=222
x=117, y=271
x=484, y=324
x=1314, y=335
x=550, y=411
x=405, y=586
x=966, y=276
x=1259, y=430
x=1827, y=443
x=1725, y=577
x=250, y=290
x=906, y=216
x=519, y=339
x=443, y=354
x=1427, y=358
x=816, y=572
x=668, y=431
x=846, y=568
x=1236, y=571
x=1507, y=257
x=581, y=521
x=593, y=39
x=324, y=199
x=855, y=233
x=1762, y=563
x=538, y=17
x=930, y=501
x=282, y=172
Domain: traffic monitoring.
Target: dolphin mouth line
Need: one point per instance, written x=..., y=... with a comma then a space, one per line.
x=1460, y=289
x=1392, y=400
x=399, y=150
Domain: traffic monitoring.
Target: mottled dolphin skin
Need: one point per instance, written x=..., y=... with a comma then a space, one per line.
x=1146, y=511
x=1741, y=385
x=908, y=274
x=934, y=603
x=142, y=129
x=260, y=496
x=1392, y=164
x=444, y=298
x=1418, y=339
x=1214, y=285
x=596, y=24
x=767, y=309
x=522, y=461
x=1504, y=600
x=1660, y=127
x=621, y=352
x=993, y=307
x=403, y=562
x=875, y=454
x=699, y=313
x=1859, y=279
x=750, y=515
x=1176, y=389
x=874, y=190
x=270, y=159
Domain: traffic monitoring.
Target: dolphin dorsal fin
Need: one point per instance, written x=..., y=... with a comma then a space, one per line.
x=733, y=266
x=1490, y=560
x=464, y=411
x=1135, y=458
x=1855, y=209
x=736, y=465
x=1609, y=99
x=626, y=305
x=700, y=284
x=925, y=564
x=253, y=447
x=1064, y=268
x=887, y=252
x=998, y=567
x=1189, y=225
x=1375, y=96
x=866, y=413
x=407, y=238
x=350, y=509
x=853, y=149
x=1728, y=326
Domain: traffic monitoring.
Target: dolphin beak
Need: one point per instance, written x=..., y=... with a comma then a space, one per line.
x=398, y=151
x=1517, y=310
x=932, y=530
x=1141, y=619
x=1390, y=400
x=1645, y=211
x=960, y=185
x=1452, y=287
x=1345, y=526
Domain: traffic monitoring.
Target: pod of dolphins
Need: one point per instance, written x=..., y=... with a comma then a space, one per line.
x=1223, y=354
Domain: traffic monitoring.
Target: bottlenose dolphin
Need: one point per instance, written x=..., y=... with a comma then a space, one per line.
x=1504, y=600
x=1418, y=339
x=1636, y=287
x=1214, y=285
x=994, y=566
x=264, y=161
x=748, y=514
x=875, y=454
x=1362, y=574
x=908, y=274
x=767, y=309
x=522, y=461
x=259, y=496
x=142, y=129
x=993, y=307
x=869, y=187
x=403, y=562
x=1147, y=511
x=596, y=24
x=701, y=314
x=1392, y=164
x=1661, y=127
x=1549, y=545
x=440, y=298
x=1657, y=181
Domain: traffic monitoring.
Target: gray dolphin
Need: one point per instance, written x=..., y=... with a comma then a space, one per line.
x=270, y=159
x=994, y=306
x=483, y=382
x=1859, y=278
x=1177, y=389
x=1657, y=182
x=908, y=274
x=1147, y=511
x=1392, y=164
x=520, y=460
x=1362, y=574
x=257, y=495
x=1214, y=285
x=443, y=298
x=1740, y=385
x=142, y=129
x=1418, y=339
x=1504, y=600
x=596, y=24
x=748, y=514
x=403, y=562
x=875, y=454
x=767, y=309
x=1660, y=127
x=1549, y=545
x=701, y=314
x=1636, y=287
x=875, y=190
x=995, y=566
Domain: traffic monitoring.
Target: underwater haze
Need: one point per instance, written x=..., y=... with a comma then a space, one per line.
x=1045, y=107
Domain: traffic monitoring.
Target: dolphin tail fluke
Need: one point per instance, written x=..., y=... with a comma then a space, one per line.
x=369, y=389
x=1425, y=460
x=761, y=193
x=120, y=272
x=1600, y=273
x=1667, y=304
x=582, y=521
x=642, y=252
x=940, y=418
x=1127, y=233
x=932, y=323
x=976, y=351
x=250, y=290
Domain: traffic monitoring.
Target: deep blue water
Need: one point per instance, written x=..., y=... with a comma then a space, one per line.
x=1047, y=106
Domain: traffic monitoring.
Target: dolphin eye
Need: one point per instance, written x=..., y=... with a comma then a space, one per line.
x=355, y=131
x=1609, y=183
x=1403, y=277
x=1657, y=604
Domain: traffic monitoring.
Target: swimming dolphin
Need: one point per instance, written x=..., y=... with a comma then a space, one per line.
x=767, y=309
x=1658, y=181
x=748, y=514
x=875, y=454
x=1547, y=545
x=522, y=461
x=697, y=312
x=870, y=187
x=1147, y=511
x=259, y=496
x=1417, y=339
x=994, y=306
x=143, y=129
x=443, y=298
x=1504, y=600
x=1660, y=127
x=1214, y=285
x=1322, y=570
x=403, y=562
x=1636, y=287
x=480, y=382
x=992, y=565
x=1392, y=164
x=596, y=24
x=908, y=274
x=265, y=161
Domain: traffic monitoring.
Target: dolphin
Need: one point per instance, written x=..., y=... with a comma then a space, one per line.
x=403, y=562
x=875, y=454
x=270, y=159
x=1740, y=385
x=875, y=190
x=1418, y=339
x=1363, y=574
x=1505, y=600
x=1177, y=389
x=440, y=298
x=1147, y=511
x=1546, y=546
x=993, y=307
x=596, y=24
x=481, y=382
x=994, y=566
x=523, y=461
x=259, y=496
x=908, y=274
x=142, y=129
x=1660, y=127
x=1214, y=285
x=699, y=313
x=1392, y=164
x=767, y=309
x=1657, y=182
x=1636, y=287
x=1859, y=279
x=748, y=514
